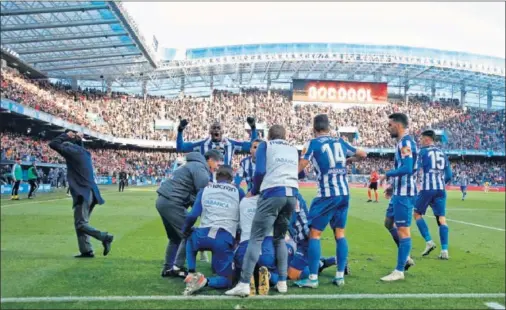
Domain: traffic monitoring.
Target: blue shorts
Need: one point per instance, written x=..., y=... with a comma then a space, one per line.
x=401, y=209
x=463, y=188
x=325, y=210
x=299, y=260
x=222, y=247
x=267, y=255
x=435, y=198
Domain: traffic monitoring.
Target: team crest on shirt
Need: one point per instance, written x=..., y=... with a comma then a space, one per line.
x=405, y=151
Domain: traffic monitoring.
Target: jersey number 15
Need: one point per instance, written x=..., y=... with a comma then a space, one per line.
x=437, y=160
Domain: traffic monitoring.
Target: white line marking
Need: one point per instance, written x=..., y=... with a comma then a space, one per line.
x=49, y=200
x=469, y=209
x=477, y=225
x=223, y=297
x=32, y=202
x=494, y=305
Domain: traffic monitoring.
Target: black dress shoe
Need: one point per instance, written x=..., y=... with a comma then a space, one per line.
x=107, y=244
x=171, y=273
x=85, y=255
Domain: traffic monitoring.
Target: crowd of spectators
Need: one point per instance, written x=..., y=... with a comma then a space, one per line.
x=155, y=163
x=127, y=116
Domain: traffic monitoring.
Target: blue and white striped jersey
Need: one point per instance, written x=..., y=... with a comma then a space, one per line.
x=435, y=168
x=246, y=171
x=405, y=185
x=226, y=146
x=328, y=157
x=464, y=180
x=299, y=227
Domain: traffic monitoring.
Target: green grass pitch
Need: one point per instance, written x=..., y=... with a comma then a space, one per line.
x=38, y=243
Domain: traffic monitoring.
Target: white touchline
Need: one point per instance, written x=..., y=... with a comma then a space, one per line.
x=494, y=305
x=477, y=225
x=223, y=297
x=33, y=201
x=49, y=200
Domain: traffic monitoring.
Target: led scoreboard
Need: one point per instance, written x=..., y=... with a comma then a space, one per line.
x=339, y=91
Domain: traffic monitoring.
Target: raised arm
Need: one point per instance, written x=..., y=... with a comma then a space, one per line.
x=357, y=153
x=245, y=146
x=260, y=168
x=64, y=149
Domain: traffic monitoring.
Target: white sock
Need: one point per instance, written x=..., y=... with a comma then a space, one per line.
x=313, y=277
x=175, y=268
x=340, y=274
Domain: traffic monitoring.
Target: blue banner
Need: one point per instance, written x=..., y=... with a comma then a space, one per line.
x=24, y=188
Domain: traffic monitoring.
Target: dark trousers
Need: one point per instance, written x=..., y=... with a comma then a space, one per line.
x=15, y=188
x=33, y=187
x=83, y=206
x=122, y=185
x=173, y=217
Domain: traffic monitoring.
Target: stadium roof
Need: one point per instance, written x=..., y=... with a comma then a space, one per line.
x=93, y=41
x=72, y=39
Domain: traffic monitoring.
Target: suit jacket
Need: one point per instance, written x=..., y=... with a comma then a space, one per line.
x=79, y=168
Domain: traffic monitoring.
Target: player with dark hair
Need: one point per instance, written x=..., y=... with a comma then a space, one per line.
x=227, y=147
x=217, y=205
x=436, y=172
x=400, y=209
x=328, y=156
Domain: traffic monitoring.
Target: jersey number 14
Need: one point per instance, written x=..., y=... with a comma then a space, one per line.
x=336, y=156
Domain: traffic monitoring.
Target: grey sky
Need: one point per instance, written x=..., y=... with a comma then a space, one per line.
x=470, y=27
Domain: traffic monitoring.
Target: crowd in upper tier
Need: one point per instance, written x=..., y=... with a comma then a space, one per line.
x=132, y=117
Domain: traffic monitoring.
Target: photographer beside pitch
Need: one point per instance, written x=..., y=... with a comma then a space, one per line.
x=84, y=191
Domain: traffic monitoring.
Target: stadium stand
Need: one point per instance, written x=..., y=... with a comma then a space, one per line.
x=468, y=128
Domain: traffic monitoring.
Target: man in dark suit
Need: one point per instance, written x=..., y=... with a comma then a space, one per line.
x=84, y=191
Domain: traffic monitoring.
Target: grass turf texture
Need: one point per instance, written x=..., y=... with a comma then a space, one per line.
x=38, y=242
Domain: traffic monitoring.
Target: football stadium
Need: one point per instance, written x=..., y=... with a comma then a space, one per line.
x=290, y=175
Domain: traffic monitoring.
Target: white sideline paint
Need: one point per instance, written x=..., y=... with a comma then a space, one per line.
x=494, y=305
x=477, y=225
x=43, y=201
x=268, y=297
x=33, y=201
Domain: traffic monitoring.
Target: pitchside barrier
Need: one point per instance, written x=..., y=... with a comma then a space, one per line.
x=24, y=188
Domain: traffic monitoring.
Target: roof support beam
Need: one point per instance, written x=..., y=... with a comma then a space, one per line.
x=96, y=66
x=75, y=48
x=60, y=25
x=59, y=59
x=63, y=38
x=71, y=8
